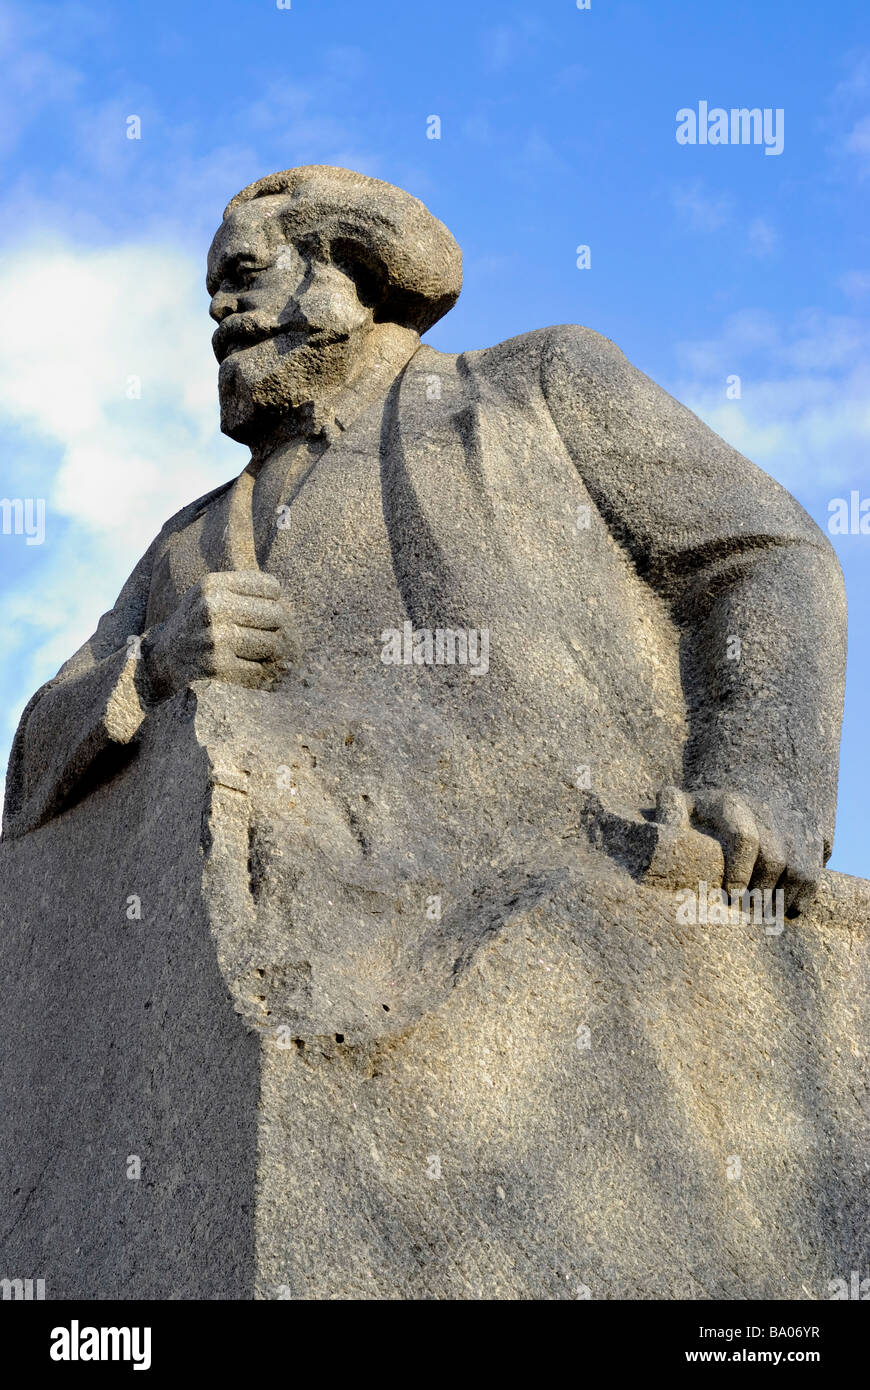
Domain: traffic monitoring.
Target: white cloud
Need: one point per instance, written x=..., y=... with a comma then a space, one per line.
x=175, y=181
x=846, y=123
x=78, y=323
x=855, y=283
x=701, y=211
x=507, y=44
x=804, y=411
x=33, y=80
x=858, y=139
x=763, y=238
x=856, y=83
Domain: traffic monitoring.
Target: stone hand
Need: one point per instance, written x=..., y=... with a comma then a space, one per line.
x=232, y=626
x=764, y=846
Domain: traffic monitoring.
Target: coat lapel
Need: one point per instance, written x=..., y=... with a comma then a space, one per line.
x=210, y=540
x=234, y=547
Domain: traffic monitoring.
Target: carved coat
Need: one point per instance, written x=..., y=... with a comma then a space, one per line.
x=543, y=489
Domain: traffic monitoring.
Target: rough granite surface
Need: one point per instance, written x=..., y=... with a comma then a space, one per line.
x=335, y=968
x=560, y=1112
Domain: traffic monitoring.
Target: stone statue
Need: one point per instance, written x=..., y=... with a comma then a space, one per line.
x=482, y=650
x=633, y=572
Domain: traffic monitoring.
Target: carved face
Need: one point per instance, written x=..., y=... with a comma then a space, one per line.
x=292, y=308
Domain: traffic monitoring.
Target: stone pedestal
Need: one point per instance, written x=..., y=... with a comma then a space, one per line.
x=121, y=1043
x=554, y=1089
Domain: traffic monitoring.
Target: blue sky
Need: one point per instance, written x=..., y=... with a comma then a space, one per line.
x=557, y=129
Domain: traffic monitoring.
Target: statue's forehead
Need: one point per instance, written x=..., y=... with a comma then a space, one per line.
x=253, y=228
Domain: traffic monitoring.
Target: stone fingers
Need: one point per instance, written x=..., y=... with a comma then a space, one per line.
x=727, y=816
x=256, y=644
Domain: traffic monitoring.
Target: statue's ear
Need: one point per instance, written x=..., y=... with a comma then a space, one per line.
x=359, y=260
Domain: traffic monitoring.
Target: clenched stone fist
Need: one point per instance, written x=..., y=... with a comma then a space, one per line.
x=233, y=625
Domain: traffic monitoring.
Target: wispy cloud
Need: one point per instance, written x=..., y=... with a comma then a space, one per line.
x=858, y=143
x=855, y=283
x=701, y=211
x=762, y=238
x=175, y=180
x=106, y=368
x=847, y=121
x=505, y=45
x=106, y=355
x=804, y=408
x=34, y=81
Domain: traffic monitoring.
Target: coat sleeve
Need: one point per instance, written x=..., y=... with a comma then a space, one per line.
x=95, y=703
x=753, y=584
x=81, y=720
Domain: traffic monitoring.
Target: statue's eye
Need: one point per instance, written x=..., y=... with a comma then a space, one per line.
x=241, y=275
x=244, y=275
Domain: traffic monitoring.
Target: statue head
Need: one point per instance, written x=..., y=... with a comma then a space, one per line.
x=306, y=270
